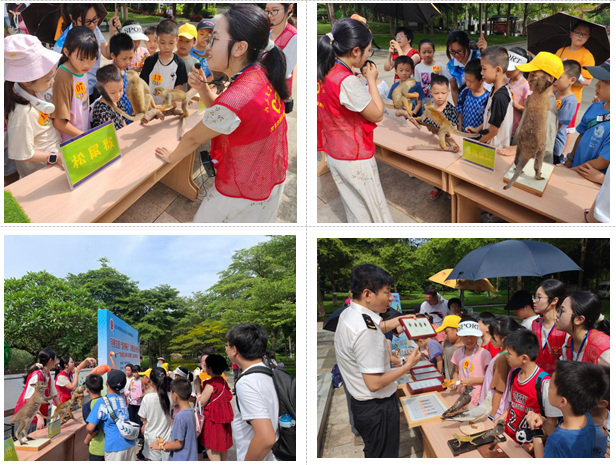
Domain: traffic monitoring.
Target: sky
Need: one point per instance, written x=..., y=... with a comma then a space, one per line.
x=187, y=263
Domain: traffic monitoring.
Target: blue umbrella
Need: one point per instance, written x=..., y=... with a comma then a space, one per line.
x=513, y=258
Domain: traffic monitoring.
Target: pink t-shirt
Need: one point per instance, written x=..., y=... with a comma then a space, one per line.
x=487, y=381
x=471, y=366
x=135, y=391
x=140, y=54
x=521, y=91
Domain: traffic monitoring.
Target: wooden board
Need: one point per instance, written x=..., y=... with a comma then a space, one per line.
x=33, y=445
x=496, y=453
x=527, y=180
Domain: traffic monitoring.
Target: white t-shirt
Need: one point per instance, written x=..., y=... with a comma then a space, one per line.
x=158, y=424
x=354, y=95
x=257, y=399
x=220, y=119
x=528, y=322
x=440, y=307
x=602, y=204
x=29, y=130
x=62, y=380
x=127, y=387
x=30, y=389
x=423, y=74
x=290, y=53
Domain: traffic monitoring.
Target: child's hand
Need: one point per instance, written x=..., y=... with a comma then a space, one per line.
x=466, y=382
x=534, y=420
x=590, y=173
x=470, y=130
x=163, y=153
x=507, y=151
x=154, y=446
x=372, y=73
x=482, y=43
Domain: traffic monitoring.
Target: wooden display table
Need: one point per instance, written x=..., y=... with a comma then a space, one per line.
x=436, y=434
x=474, y=189
x=46, y=196
x=392, y=137
x=68, y=445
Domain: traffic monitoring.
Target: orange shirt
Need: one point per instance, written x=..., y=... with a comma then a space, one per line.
x=584, y=58
x=203, y=376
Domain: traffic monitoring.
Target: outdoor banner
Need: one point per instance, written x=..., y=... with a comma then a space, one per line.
x=87, y=154
x=396, y=304
x=114, y=335
x=479, y=154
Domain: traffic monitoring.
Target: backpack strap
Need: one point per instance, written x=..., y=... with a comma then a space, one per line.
x=538, y=386
x=112, y=414
x=263, y=370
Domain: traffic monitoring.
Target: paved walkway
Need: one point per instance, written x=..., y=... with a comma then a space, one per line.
x=338, y=440
x=408, y=197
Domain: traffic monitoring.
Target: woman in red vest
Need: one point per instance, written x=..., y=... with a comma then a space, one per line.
x=347, y=112
x=40, y=371
x=578, y=316
x=284, y=34
x=67, y=376
x=549, y=296
x=246, y=123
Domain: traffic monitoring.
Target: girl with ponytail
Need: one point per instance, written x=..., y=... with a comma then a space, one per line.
x=580, y=317
x=246, y=123
x=155, y=413
x=347, y=113
x=67, y=376
x=284, y=34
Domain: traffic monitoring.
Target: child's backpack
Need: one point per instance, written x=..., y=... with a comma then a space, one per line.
x=538, y=383
x=284, y=449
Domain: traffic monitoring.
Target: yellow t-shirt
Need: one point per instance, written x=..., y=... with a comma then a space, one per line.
x=584, y=58
x=203, y=376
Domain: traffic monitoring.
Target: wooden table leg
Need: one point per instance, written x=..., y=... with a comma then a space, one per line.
x=180, y=178
x=322, y=168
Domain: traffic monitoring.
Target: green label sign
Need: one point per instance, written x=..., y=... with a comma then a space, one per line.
x=54, y=428
x=10, y=454
x=89, y=153
x=478, y=153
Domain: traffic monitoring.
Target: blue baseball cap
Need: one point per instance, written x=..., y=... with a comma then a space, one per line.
x=601, y=72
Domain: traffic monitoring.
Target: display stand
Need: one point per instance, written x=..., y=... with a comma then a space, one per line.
x=33, y=445
x=527, y=180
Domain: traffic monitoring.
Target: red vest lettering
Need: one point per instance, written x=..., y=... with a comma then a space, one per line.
x=548, y=353
x=282, y=40
x=253, y=159
x=64, y=393
x=38, y=374
x=523, y=400
x=346, y=134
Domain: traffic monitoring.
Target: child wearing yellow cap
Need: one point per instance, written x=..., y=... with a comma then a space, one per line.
x=451, y=343
x=187, y=38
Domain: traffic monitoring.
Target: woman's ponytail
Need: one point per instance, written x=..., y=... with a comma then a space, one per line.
x=346, y=34
x=275, y=64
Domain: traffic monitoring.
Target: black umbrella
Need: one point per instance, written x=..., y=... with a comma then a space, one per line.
x=410, y=12
x=513, y=258
x=551, y=33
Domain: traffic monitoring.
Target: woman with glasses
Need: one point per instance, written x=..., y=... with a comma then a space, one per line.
x=459, y=53
x=549, y=295
x=88, y=15
x=246, y=123
x=40, y=371
x=400, y=46
x=347, y=112
x=580, y=317
x=284, y=34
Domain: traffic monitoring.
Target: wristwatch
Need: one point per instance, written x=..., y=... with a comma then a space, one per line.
x=53, y=158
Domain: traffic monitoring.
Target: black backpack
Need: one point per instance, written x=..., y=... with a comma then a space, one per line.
x=284, y=449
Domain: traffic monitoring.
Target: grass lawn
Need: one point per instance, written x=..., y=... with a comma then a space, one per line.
x=382, y=36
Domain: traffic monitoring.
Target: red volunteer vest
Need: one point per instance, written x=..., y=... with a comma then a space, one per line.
x=548, y=355
x=523, y=400
x=64, y=393
x=282, y=40
x=346, y=134
x=21, y=401
x=597, y=343
x=319, y=139
x=253, y=159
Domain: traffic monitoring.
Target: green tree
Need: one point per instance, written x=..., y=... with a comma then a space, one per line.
x=333, y=255
x=41, y=310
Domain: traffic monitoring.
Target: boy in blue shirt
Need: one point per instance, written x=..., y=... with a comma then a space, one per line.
x=473, y=98
x=566, y=104
x=593, y=144
x=116, y=447
x=404, y=69
x=204, y=33
x=576, y=388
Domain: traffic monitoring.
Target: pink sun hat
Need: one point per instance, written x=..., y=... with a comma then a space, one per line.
x=26, y=59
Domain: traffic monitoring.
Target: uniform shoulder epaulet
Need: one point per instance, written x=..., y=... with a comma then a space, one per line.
x=369, y=323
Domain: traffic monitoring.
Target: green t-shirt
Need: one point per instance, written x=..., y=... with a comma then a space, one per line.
x=97, y=445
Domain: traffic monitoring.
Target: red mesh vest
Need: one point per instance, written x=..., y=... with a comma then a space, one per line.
x=319, y=138
x=253, y=159
x=63, y=392
x=282, y=40
x=345, y=134
x=597, y=343
x=22, y=401
x=545, y=358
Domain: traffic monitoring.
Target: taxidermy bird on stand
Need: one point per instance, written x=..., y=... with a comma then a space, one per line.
x=463, y=401
x=475, y=414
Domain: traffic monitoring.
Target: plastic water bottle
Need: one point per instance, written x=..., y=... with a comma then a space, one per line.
x=286, y=421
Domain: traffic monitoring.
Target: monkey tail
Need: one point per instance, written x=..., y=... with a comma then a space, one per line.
x=519, y=167
x=105, y=95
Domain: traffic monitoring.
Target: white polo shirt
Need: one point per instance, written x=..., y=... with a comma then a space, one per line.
x=361, y=347
x=440, y=307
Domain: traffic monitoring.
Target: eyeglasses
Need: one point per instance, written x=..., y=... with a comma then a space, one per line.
x=537, y=298
x=272, y=12
x=456, y=52
x=214, y=38
x=90, y=22
x=581, y=35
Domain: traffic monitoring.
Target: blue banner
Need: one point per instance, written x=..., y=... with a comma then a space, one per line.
x=396, y=304
x=117, y=338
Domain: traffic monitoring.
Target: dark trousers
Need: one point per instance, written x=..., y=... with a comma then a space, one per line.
x=378, y=423
x=96, y=458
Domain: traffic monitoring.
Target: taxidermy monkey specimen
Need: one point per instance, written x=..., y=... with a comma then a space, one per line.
x=24, y=417
x=171, y=98
x=401, y=96
x=64, y=409
x=444, y=131
x=138, y=92
x=533, y=130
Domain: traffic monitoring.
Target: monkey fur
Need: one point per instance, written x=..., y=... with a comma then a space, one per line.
x=533, y=129
x=64, y=409
x=171, y=98
x=400, y=96
x=444, y=131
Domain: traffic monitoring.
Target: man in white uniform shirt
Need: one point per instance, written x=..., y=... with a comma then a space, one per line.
x=434, y=303
x=363, y=358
